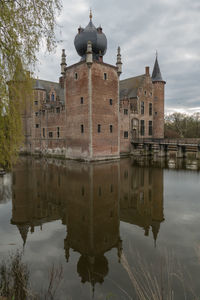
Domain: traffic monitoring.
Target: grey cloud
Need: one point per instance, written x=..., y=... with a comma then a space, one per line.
x=140, y=27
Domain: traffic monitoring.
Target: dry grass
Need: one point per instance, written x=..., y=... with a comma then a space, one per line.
x=15, y=280
x=165, y=281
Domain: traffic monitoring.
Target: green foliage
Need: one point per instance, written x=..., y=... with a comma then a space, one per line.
x=179, y=125
x=24, y=26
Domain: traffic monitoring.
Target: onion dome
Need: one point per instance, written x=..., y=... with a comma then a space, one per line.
x=93, y=34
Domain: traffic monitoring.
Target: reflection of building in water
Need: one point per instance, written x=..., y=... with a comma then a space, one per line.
x=141, y=197
x=86, y=197
x=34, y=202
x=92, y=218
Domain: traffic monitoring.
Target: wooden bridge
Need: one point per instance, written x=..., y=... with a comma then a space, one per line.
x=164, y=147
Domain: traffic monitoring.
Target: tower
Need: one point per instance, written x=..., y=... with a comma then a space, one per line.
x=159, y=89
x=92, y=100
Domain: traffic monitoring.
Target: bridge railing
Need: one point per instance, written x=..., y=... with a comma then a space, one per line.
x=183, y=141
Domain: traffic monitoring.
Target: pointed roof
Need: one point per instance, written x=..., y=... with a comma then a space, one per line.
x=23, y=229
x=156, y=75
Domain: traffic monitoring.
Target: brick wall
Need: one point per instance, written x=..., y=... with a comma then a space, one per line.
x=92, y=102
x=77, y=142
x=158, y=117
x=105, y=107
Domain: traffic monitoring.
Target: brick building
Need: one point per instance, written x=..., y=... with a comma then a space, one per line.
x=90, y=114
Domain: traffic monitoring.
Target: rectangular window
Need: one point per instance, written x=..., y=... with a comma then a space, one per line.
x=37, y=125
x=125, y=111
x=142, y=108
x=111, y=128
x=43, y=132
x=36, y=114
x=76, y=76
x=150, y=128
x=150, y=109
x=142, y=128
x=58, y=110
x=99, y=128
x=82, y=128
x=58, y=132
x=81, y=100
x=125, y=134
x=111, y=102
x=105, y=76
x=50, y=134
x=36, y=102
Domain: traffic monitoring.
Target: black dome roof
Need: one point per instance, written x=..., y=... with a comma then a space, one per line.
x=93, y=34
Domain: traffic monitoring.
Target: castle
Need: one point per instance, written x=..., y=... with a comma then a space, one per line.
x=90, y=114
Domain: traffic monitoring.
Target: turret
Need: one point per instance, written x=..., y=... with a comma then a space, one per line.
x=119, y=62
x=63, y=62
x=89, y=58
x=158, y=101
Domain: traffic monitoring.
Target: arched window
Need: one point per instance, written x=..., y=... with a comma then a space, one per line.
x=52, y=97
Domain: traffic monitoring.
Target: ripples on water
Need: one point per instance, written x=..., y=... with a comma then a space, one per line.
x=95, y=218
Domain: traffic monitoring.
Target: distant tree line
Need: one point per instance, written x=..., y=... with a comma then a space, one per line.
x=178, y=125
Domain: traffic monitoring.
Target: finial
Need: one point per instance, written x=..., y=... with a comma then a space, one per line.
x=63, y=53
x=90, y=16
x=118, y=50
x=156, y=54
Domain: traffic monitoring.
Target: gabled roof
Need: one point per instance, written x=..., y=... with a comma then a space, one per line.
x=48, y=85
x=129, y=87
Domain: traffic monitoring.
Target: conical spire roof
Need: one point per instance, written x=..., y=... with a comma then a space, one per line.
x=156, y=75
x=23, y=229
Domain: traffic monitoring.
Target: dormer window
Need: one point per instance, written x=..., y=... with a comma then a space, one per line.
x=52, y=97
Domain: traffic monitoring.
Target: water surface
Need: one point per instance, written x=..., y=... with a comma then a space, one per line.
x=94, y=218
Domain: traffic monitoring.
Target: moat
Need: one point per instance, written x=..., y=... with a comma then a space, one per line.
x=101, y=221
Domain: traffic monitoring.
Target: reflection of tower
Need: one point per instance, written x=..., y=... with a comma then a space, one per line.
x=32, y=203
x=23, y=229
x=92, y=218
x=141, y=197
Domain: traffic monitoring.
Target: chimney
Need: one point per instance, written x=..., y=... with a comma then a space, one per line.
x=147, y=71
x=99, y=29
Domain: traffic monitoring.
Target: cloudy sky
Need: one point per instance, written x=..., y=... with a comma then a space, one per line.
x=140, y=27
